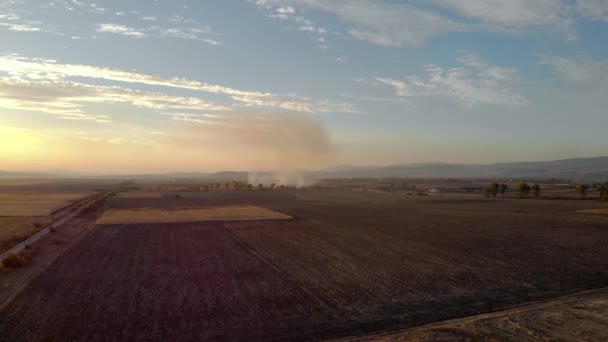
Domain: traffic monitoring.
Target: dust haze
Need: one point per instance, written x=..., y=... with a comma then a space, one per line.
x=275, y=147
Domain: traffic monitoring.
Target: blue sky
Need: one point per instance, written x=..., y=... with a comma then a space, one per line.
x=119, y=86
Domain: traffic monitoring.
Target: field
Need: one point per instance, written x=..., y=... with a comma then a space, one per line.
x=581, y=317
x=34, y=204
x=156, y=215
x=24, y=202
x=139, y=195
x=349, y=263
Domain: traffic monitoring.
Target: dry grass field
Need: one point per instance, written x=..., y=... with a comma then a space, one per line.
x=24, y=202
x=34, y=204
x=11, y=224
x=139, y=195
x=580, y=318
x=348, y=263
x=156, y=215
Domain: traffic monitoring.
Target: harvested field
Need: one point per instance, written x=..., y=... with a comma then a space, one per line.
x=155, y=215
x=11, y=224
x=352, y=263
x=139, y=195
x=577, y=318
x=594, y=211
x=34, y=204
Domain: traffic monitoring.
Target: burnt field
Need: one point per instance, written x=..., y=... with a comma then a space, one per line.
x=348, y=263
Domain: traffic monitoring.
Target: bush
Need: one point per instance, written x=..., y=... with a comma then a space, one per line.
x=14, y=260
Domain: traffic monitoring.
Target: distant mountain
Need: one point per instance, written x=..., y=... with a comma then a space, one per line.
x=577, y=169
x=24, y=175
x=591, y=169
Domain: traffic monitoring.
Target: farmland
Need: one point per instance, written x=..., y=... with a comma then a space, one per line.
x=28, y=202
x=34, y=204
x=348, y=263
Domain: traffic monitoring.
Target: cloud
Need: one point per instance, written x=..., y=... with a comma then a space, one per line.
x=187, y=33
x=120, y=30
x=473, y=82
x=276, y=10
x=44, y=70
x=593, y=9
x=66, y=99
x=582, y=70
x=390, y=23
x=379, y=22
x=514, y=15
x=399, y=86
x=21, y=27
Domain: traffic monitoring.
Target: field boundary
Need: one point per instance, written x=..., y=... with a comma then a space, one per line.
x=47, y=230
x=10, y=294
x=517, y=309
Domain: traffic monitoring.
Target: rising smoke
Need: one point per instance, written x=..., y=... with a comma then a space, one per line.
x=286, y=144
x=275, y=147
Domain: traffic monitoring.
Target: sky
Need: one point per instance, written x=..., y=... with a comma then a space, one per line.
x=164, y=86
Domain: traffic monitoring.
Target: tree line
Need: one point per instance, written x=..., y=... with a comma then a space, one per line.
x=524, y=190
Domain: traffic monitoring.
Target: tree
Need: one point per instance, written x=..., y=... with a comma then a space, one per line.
x=502, y=189
x=582, y=190
x=227, y=185
x=523, y=190
x=403, y=184
x=492, y=190
x=602, y=192
x=536, y=190
x=272, y=186
x=260, y=186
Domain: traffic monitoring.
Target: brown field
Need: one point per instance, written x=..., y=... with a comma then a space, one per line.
x=12, y=224
x=34, y=204
x=24, y=202
x=139, y=195
x=578, y=318
x=156, y=215
x=594, y=211
x=349, y=263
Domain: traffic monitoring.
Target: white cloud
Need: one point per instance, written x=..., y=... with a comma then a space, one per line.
x=188, y=33
x=120, y=30
x=21, y=27
x=580, y=70
x=472, y=83
x=391, y=23
x=511, y=15
x=66, y=99
x=19, y=68
x=276, y=10
x=400, y=87
x=149, y=18
x=379, y=22
x=593, y=9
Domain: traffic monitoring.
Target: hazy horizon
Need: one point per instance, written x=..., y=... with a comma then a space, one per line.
x=187, y=86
